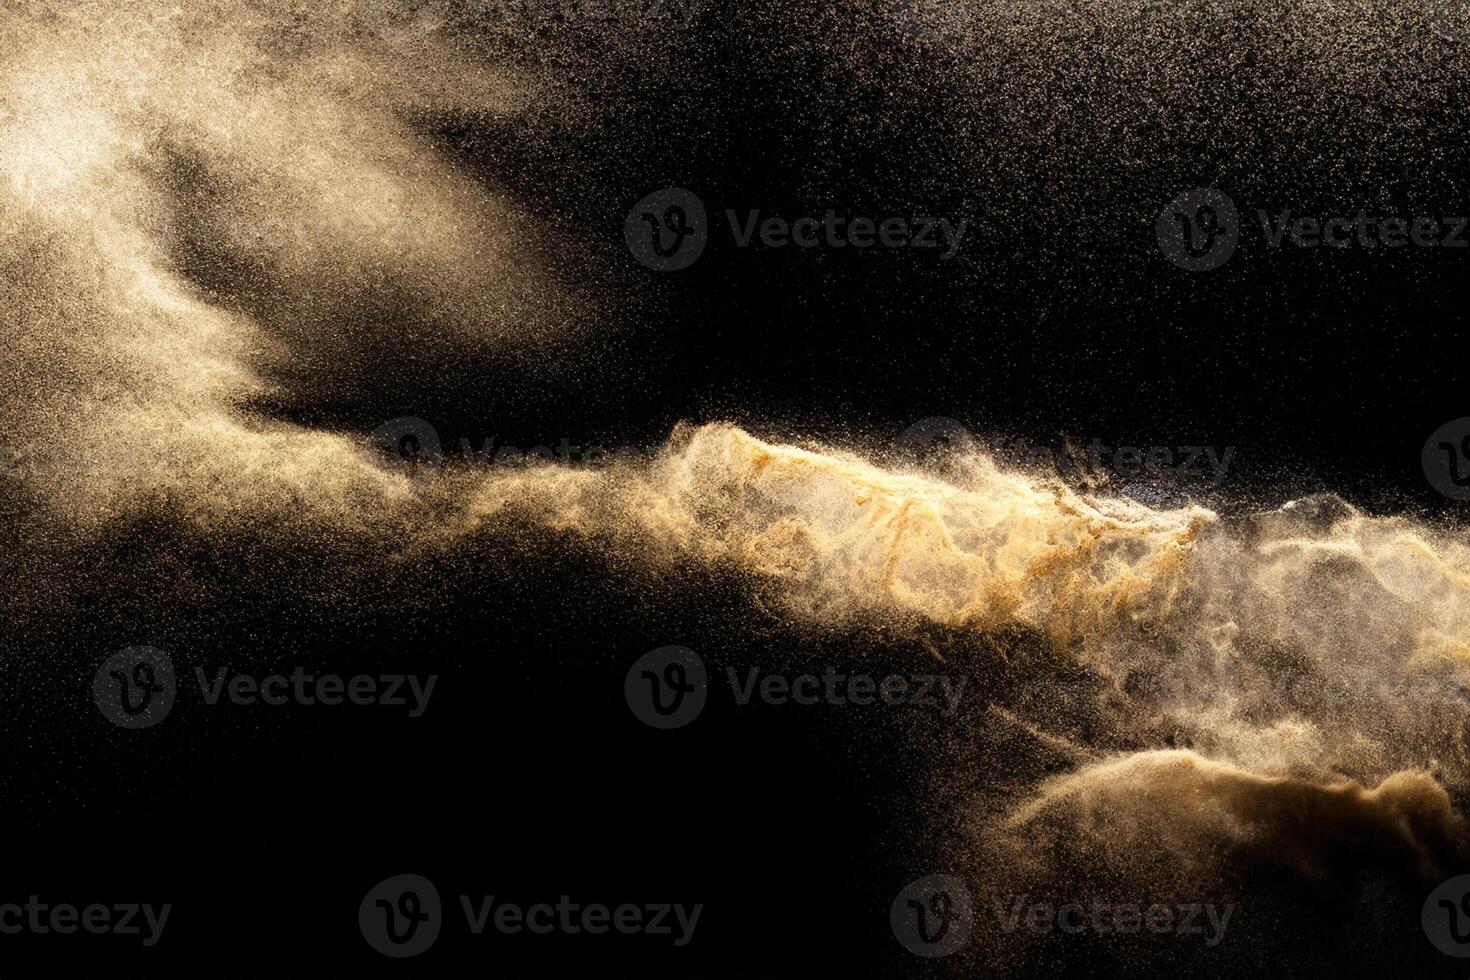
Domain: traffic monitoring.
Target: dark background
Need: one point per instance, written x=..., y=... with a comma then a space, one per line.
x=1326, y=369
x=528, y=778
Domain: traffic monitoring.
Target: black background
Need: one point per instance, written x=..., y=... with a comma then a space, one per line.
x=528, y=778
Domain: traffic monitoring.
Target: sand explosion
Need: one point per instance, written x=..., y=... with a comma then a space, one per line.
x=210, y=210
